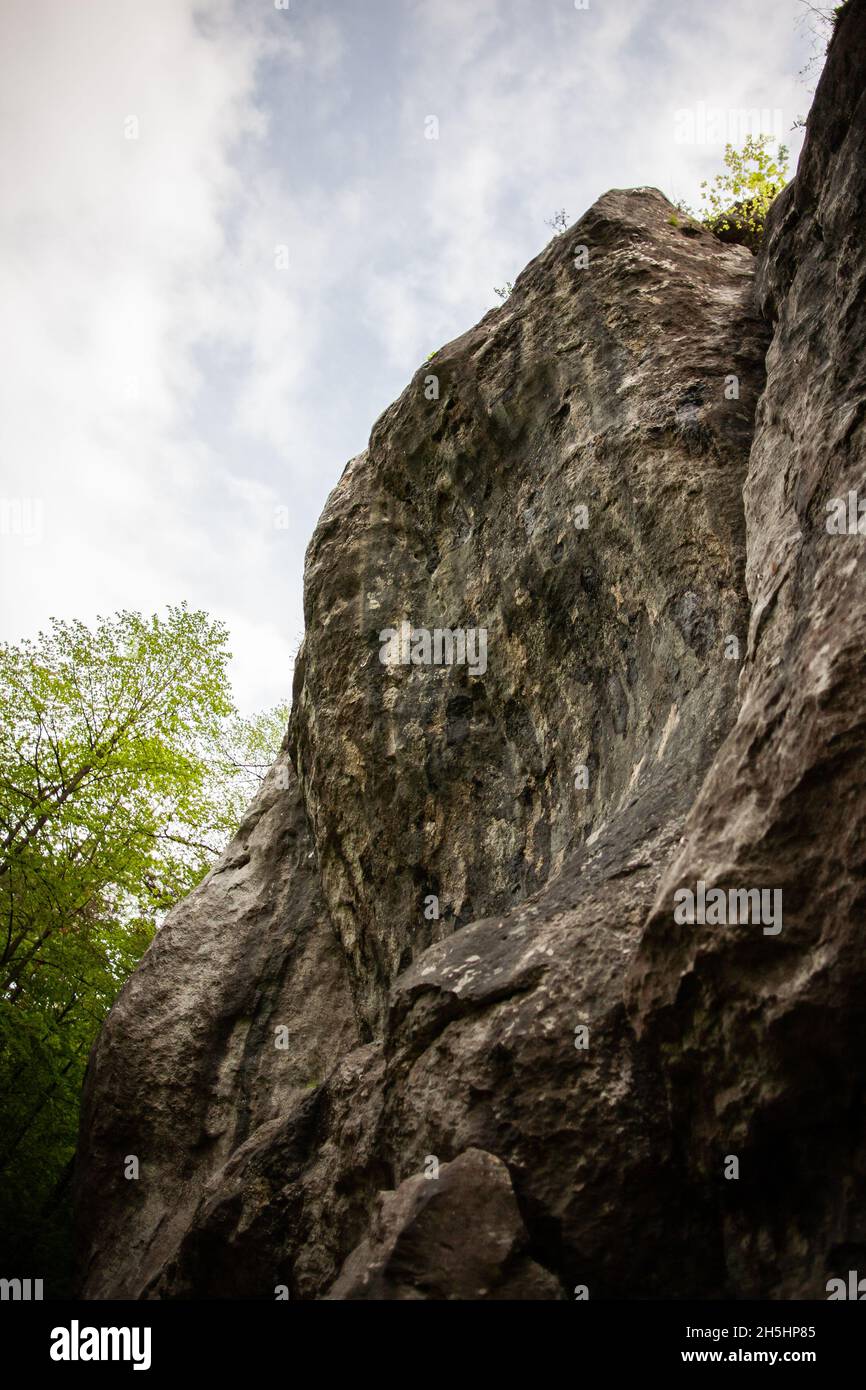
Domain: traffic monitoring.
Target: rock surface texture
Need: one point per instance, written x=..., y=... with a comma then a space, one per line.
x=762, y=1038
x=431, y=1028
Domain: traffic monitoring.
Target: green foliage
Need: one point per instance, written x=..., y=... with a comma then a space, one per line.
x=246, y=749
x=503, y=291
x=737, y=201
x=124, y=768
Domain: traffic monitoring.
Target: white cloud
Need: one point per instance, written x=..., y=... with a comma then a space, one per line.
x=163, y=386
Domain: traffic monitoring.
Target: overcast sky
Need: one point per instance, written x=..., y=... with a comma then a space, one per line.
x=228, y=241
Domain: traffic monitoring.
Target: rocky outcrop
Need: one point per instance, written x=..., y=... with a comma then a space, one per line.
x=431, y=1028
x=192, y=1059
x=599, y=388
x=762, y=1037
x=417, y=1246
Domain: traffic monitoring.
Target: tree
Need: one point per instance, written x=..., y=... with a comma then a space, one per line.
x=124, y=768
x=738, y=200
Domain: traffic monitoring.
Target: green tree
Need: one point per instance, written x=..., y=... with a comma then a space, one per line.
x=124, y=768
x=737, y=201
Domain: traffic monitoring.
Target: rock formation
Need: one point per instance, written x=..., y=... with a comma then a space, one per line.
x=431, y=1028
x=762, y=1038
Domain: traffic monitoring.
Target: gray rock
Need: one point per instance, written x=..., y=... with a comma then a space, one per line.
x=456, y=889
x=453, y=1233
x=761, y=1037
x=187, y=1066
x=425, y=780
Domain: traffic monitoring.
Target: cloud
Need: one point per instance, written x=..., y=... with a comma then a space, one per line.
x=203, y=322
x=114, y=264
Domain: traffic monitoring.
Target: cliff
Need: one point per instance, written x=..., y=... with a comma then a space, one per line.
x=432, y=1026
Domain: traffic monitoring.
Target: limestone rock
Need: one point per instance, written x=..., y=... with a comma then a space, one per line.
x=762, y=1037
x=601, y=388
x=187, y=1064
x=455, y=890
x=452, y=1234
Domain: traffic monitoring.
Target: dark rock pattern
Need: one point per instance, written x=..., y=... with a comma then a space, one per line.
x=508, y=1071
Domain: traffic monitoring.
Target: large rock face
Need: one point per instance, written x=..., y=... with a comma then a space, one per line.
x=187, y=1065
x=763, y=1037
x=435, y=991
x=600, y=388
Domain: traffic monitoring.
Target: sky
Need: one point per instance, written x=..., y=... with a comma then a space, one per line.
x=230, y=232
